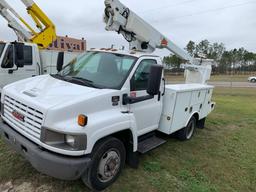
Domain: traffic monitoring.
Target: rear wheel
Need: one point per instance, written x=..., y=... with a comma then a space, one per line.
x=187, y=132
x=107, y=163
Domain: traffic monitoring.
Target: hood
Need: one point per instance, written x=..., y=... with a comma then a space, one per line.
x=47, y=91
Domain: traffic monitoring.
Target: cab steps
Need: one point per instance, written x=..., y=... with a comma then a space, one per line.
x=149, y=143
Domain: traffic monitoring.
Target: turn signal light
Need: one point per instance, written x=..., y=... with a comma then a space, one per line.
x=82, y=120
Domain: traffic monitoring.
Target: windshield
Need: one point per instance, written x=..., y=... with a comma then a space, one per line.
x=2, y=45
x=99, y=69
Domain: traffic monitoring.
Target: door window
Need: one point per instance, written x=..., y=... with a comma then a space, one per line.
x=140, y=78
x=28, y=59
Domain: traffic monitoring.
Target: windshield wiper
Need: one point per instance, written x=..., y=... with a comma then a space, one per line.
x=58, y=76
x=81, y=80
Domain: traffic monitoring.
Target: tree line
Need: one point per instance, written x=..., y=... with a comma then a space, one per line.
x=225, y=61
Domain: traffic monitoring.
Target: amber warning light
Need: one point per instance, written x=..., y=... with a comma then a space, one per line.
x=82, y=120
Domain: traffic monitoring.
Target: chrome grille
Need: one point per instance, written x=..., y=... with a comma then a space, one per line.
x=32, y=121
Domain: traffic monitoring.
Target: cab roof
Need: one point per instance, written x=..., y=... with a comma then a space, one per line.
x=136, y=54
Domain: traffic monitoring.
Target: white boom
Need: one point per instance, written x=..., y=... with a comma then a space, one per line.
x=144, y=37
x=6, y=12
x=140, y=34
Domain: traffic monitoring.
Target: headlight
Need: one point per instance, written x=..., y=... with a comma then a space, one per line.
x=64, y=141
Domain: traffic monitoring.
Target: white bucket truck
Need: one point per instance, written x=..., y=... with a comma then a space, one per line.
x=106, y=107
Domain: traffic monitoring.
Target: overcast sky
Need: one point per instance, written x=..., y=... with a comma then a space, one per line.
x=232, y=22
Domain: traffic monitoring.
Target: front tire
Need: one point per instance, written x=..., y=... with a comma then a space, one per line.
x=108, y=160
x=187, y=132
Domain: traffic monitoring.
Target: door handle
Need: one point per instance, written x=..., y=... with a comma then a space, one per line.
x=164, y=86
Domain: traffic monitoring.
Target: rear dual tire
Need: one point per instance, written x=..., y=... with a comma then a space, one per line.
x=187, y=132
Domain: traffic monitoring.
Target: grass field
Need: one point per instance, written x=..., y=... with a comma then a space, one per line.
x=214, y=78
x=220, y=157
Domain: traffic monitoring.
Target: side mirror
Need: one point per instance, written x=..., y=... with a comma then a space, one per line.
x=153, y=89
x=19, y=54
x=60, y=61
x=154, y=80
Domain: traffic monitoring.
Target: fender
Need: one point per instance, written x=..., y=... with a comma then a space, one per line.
x=119, y=122
x=192, y=114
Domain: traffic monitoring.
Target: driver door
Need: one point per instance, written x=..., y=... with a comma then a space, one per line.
x=147, y=113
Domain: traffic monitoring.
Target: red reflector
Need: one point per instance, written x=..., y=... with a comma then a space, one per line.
x=164, y=42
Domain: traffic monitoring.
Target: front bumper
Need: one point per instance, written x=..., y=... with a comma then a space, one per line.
x=52, y=164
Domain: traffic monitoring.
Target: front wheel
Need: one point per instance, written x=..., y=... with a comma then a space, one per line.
x=187, y=132
x=108, y=160
x=253, y=80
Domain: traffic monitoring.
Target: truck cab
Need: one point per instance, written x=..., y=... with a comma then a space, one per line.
x=97, y=113
x=94, y=86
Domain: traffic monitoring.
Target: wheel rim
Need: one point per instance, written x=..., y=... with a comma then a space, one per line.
x=109, y=165
x=190, y=130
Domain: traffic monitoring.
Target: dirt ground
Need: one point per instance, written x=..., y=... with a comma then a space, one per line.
x=24, y=187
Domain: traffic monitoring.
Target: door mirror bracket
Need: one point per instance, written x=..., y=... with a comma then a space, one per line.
x=10, y=71
x=132, y=100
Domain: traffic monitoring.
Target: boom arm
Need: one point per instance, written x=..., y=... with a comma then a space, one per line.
x=140, y=34
x=144, y=37
x=5, y=10
x=47, y=32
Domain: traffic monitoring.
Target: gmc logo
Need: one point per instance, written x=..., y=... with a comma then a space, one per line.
x=18, y=116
